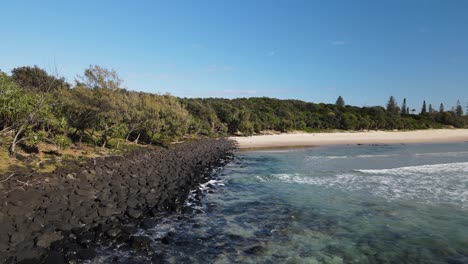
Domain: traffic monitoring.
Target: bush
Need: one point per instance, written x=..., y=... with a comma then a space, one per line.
x=62, y=141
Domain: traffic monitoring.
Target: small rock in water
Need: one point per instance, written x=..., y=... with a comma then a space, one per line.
x=140, y=243
x=256, y=250
x=86, y=254
x=168, y=238
x=158, y=259
x=187, y=210
x=148, y=223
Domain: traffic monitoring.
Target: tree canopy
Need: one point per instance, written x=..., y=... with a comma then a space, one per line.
x=35, y=78
x=340, y=102
x=97, y=110
x=392, y=106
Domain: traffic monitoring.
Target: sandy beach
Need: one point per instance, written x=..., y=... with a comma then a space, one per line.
x=339, y=138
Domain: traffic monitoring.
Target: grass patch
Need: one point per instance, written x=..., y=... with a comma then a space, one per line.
x=47, y=168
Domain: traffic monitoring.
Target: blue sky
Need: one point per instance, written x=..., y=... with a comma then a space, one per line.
x=364, y=50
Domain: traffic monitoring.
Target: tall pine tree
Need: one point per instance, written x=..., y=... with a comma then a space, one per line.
x=340, y=102
x=404, y=108
x=459, y=109
x=441, y=108
x=392, y=106
x=424, y=109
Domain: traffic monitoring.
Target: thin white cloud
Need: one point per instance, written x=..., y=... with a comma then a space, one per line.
x=272, y=53
x=238, y=92
x=339, y=43
x=219, y=68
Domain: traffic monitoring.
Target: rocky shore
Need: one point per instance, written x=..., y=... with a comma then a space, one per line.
x=59, y=217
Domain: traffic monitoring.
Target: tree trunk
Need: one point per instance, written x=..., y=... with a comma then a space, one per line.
x=15, y=141
x=74, y=133
x=81, y=138
x=92, y=137
x=138, y=137
x=104, y=144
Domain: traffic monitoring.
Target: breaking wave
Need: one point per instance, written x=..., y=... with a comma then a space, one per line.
x=461, y=167
x=345, y=157
x=437, y=183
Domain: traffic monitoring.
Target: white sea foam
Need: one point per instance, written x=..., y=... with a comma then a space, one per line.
x=429, y=154
x=325, y=157
x=278, y=150
x=443, y=154
x=437, y=183
x=461, y=167
x=345, y=157
x=205, y=186
x=376, y=156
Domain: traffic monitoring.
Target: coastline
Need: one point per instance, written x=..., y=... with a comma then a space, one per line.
x=295, y=140
x=64, y=215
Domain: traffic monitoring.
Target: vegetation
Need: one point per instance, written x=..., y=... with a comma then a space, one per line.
x=424, y=109
x=37, y=107
x=340, y=102
x=404, y=109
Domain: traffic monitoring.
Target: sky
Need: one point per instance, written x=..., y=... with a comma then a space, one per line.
x=363, y=50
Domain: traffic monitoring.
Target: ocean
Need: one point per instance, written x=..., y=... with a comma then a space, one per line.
x=336, y=204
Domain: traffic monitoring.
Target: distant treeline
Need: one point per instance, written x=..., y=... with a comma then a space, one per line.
x=36, y=106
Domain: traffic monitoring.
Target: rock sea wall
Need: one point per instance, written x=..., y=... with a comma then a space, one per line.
x=98, y=197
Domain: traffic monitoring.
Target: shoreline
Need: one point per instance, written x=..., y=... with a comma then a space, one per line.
x=66, y=214
x=301, y=140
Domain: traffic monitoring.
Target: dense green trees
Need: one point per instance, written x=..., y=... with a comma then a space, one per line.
x=37, y=107
x=99, y=110
x=28, y=116
x=35, y=78
x=285, y=115
x=14, y=105
x=340, y=102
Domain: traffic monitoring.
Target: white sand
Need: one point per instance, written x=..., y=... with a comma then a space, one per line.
x=339, y=138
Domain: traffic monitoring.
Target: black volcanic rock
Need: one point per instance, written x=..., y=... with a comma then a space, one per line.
x=140, y=243
x=55, y=257
x=98, y=199
x=86, y=254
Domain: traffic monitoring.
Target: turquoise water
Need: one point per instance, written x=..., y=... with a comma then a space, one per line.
x=343, y=204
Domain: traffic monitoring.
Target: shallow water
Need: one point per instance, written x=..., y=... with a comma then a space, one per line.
x=347, y=204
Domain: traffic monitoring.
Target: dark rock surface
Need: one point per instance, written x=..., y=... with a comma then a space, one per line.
x=58, y=217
